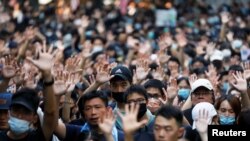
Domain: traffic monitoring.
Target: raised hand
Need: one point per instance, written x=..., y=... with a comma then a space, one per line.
x=103, y=75
x=106, y=124
x=132, y=43
x=45, y=60
x=192, y=79
x=142, y=70
x=210, y=48
x=72, y=64
x=153, y=104
x=158, y=74
x=72, y=79
x=225, y=17
x=212, y=76
x=165, y=41
x=10, y=67
x=241, y=82
x=170, y=93
x=211, y=71
x=230, y=36
x=202, y=121
x=246, y=67
x=181, y=40
x=18, y=79
x=129, y=120
x=144, y=48
x=202, y=124
x=65, y=82
x=85, y=21
x=162, y=57
x=172, y=88
x=59, y=84
x=30, y=81
x=164, y=101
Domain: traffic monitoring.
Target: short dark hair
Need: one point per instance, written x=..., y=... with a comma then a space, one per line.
x=169, y=112
x=155, y=83
x=92, y=95
x=174, y=59
x=235, y=68
x=135, y=89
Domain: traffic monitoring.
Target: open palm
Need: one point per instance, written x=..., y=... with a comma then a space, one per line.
x=107, y=123
x=241, y=82
x=45, y=60
x=129, y=120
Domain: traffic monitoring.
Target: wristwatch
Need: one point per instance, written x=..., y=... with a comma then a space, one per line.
x=48, y=83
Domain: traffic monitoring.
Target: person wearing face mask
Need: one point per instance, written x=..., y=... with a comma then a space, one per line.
x=23, y=118
x=120, y=78
x=237, y=44
x=184, y=88
x=138, y=95
x=228, y=108
x=118, y=84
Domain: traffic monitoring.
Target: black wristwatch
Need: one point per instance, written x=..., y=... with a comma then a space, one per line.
x=48, y=83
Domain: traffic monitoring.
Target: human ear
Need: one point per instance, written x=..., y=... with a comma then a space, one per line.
x=181, y=132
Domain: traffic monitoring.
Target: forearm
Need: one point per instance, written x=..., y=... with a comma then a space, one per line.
x=130, y=56
x=128, y=137
x=92, y=87
x=109, y=137
x=180, y=56
x=245, y=100
x=66, y=109
x=187, y=104
x=23, y=48
x=204, y=136
x=50, y=116
x=222, y=32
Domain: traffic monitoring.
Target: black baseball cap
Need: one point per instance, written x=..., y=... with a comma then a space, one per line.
x=26, y=97
x=122, y=72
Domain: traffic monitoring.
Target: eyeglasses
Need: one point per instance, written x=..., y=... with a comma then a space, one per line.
x=155, y=96
x=137, y=101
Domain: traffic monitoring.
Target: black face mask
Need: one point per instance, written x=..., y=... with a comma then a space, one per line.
x=118, y=96
x=142, y=110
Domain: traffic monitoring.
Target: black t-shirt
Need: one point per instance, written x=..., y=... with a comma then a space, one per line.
x=36, y=135
x=188, y=115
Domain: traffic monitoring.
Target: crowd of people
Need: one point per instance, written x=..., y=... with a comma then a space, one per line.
x=115, y=70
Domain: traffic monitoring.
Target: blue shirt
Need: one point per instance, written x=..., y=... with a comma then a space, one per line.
x=74, y=133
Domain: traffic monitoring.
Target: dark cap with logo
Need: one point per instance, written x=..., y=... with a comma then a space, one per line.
x=5, y=101
x=121, y=72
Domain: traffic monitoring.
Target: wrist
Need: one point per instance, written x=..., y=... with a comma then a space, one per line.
x=97, y=84
x=108, y=135
x=46, y=74
x=48, y=81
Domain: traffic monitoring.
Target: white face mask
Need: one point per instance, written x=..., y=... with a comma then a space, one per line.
x=97, y=48
x=237, y=44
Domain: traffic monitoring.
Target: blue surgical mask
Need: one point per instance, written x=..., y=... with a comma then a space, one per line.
x=151, y=35
x=225, y=87
x=237, y=44
x=184, y=93
x=18, y=126
x=224, y=120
